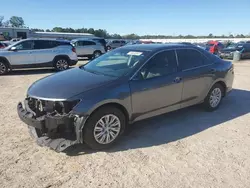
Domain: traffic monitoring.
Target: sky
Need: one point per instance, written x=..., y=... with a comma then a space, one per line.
x=142, y=17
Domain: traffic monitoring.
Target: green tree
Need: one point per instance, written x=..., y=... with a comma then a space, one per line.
x=116, y=36
x=91, y=31
x=35, y=29
x=131, y=36
x=57, y=29
x=16, y=21
x=47, y=30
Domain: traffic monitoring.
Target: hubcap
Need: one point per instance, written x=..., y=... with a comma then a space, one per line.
x=2, y=68
x=62, y=64
x=215, y=97
x=107, y=129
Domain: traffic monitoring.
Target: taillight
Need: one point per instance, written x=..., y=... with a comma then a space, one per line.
x=73, y=49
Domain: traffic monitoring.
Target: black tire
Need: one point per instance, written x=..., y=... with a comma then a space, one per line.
x=3, y=67
x=208, y=104
x=96, y=54
x=61, y=64
x=88, y=131
x=109, y=48
x=90, y=57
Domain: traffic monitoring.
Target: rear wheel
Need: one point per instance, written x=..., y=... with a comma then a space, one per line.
x=214, y=97
x=3, y=68
x=104, y=128
x=96, y=54
x=61, y=64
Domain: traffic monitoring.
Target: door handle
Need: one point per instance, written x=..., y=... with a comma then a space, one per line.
x=177, y=80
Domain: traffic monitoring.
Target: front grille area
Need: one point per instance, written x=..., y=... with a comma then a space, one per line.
x=43, y=107
x=58, y=122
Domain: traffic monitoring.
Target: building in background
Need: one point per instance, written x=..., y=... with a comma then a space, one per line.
x=59, y=35
x=12, y=32
x=7, y=33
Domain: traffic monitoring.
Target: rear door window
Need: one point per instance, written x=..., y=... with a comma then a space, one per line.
x=86, y=43
x=42, y=44
x=102, y=41
x=189, y=58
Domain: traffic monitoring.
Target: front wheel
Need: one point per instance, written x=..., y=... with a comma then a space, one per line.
x=214, y=97
x=61, y=64
x=3, y=68
x=104, y=128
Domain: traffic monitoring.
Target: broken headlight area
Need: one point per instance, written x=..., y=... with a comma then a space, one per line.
x=43, y=107
x=52, y=122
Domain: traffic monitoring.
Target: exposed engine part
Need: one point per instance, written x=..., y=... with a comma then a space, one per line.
x=52, y=123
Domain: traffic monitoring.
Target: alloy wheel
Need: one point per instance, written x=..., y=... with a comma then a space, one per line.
x=97, y=54
x=107, y=129
x=62, y=64
x=215, y=97
x=3, y=68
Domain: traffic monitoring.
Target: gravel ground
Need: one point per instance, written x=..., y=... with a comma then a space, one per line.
x=189, y=148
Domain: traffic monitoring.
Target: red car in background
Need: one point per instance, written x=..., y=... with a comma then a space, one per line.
x=214, y=47
x=2, y=45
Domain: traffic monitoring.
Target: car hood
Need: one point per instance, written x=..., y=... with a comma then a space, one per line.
x=64, y=85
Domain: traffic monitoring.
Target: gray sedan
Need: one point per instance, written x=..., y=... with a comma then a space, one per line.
x=94, y=103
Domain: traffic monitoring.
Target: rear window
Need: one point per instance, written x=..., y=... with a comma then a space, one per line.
x=63, y=43
x=189, y=58
x=102, y=41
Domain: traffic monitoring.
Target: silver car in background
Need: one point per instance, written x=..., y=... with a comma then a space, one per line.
x=37, y=53
x=88, y=48
x=115, y=44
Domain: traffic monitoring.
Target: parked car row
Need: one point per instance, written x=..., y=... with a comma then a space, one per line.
x=243, y=48
x=60, y=54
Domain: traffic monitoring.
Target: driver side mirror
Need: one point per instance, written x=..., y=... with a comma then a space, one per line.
x=13, y=49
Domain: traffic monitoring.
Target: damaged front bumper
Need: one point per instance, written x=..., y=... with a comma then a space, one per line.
x=52, y=129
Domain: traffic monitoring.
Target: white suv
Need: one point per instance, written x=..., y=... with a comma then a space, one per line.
x=115, y=44
x=88, y=48
x=34, y=53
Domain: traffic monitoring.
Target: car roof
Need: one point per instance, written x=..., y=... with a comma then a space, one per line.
x=51, y=39
x=156, y=47
x=83, y=39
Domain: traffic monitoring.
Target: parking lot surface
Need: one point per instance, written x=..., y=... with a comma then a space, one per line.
x=188, y=148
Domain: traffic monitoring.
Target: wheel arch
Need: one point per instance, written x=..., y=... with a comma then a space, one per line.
x=222, y=83
x=6, y=61
x=113, y=104
x=61, y=56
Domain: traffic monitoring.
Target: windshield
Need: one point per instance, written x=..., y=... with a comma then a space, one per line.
x=116, y=63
